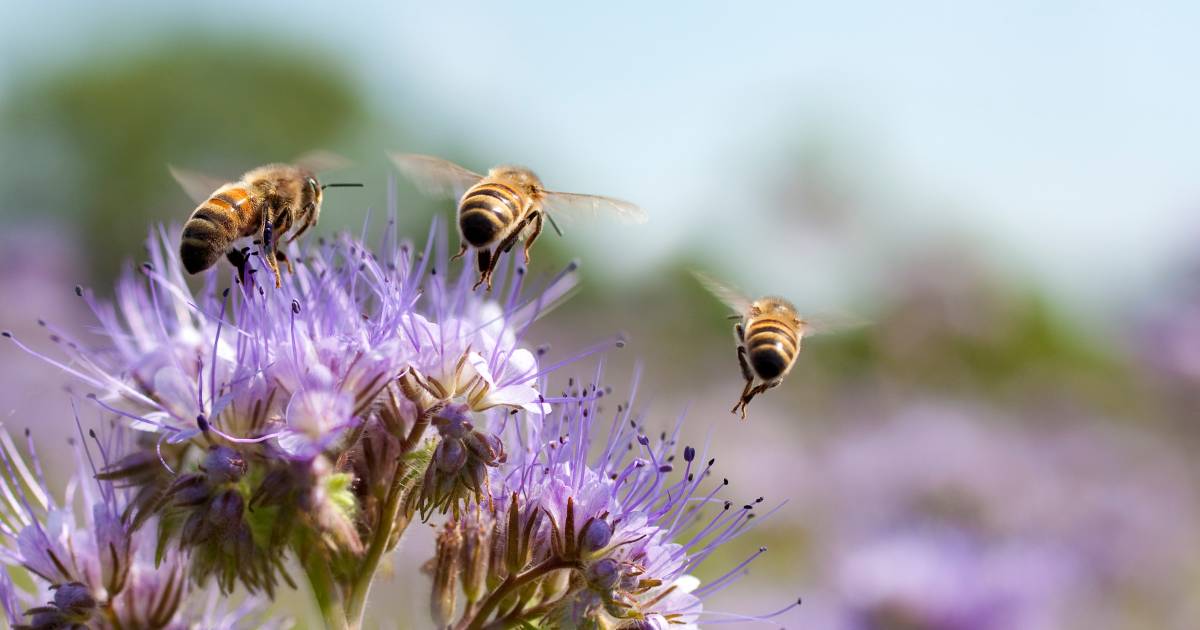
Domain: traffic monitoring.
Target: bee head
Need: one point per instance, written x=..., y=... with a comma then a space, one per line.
x=313, y=188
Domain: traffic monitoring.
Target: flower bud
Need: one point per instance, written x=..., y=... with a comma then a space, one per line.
x=595, y=536
x=445, y=574
x=475, y=551
x=223, y=465
x=603, y=575
x=475, y=475
x=450, y=455
x=75, y=602
x=226, y=511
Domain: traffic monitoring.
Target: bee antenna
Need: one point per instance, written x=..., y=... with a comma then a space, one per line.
x=324, y=186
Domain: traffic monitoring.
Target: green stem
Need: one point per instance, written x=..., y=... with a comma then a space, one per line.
x=389, y=526
x=511, y=584
x=329, y=599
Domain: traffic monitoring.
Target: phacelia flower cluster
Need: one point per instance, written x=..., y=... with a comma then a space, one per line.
x=307, y=425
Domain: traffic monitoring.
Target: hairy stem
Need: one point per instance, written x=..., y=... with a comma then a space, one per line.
x=389, y=526
x=510, y=585
x=326, y=591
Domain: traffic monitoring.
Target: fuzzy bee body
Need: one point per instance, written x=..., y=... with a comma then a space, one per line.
x=769, y=332
x=265, y=203
x=772, y=338
x=507, y=206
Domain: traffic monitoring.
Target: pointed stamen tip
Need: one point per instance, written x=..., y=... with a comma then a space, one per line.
x=573, y=265
x=759, y=500
x=147, y=267
x=643, y=440
x=665, y=468
x=92, y=433
x=225, y=293
x=41, y=322
x=90, y=396
x=689, y=453
x=295, y=307
x=762, y=549
x=202, y=422
x=28, y=432
x=725, y=481
x=79, y=290
x=712, y=461
x=6, y=333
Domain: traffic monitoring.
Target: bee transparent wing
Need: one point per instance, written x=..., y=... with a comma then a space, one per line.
x=832, y=323
x=198, y=186
x=434, y=176
x=320, y=160
x=572, y=206
x=732, y=297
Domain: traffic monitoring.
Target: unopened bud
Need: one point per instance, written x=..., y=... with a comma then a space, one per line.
x=450, y=455
x=224, y=465
x=486, y=447
x=475, y=475
x=595, y=536
x=475, y=549
x=75, y=602
x=603, y=575
x=226, y=511
x=445, y=573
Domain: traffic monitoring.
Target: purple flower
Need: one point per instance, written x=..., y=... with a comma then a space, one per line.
x=74, y=568
x=602, y=516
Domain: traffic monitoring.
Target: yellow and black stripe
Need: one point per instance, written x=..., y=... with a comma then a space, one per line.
x=772, y=345
x=487, y=211
x=214, y=226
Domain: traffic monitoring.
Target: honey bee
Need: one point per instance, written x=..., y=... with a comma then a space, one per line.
x=769, y=332
x=265, y=203
x=505, y=207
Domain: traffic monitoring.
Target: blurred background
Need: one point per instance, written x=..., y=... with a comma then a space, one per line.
x=1008, y=193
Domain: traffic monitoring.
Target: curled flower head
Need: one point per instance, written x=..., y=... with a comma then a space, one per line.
x=594, y=525
x=72, y=569
x=265, y=415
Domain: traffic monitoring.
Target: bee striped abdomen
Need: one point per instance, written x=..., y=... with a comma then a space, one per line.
x=772, y=346
x=486, y=211
x=212, y=227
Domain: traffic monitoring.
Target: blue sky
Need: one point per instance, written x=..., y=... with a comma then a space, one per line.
x=1060, y=136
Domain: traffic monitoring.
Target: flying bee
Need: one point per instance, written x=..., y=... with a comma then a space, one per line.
x=265, y=203
x=504, y=207
x=769, y=331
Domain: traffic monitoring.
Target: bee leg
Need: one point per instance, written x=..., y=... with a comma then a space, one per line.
x=537, y=230
x=748, y=396
x=462, y=249
x=749, y=376
x=269, y=249
x=740, y=331
x=281, y=257
x=484, y=258
x=238, y=258
x=745, y=365
x=309, y=221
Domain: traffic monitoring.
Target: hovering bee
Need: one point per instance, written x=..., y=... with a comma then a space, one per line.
x=265, y=203
x=507, y=205
x=769, y=332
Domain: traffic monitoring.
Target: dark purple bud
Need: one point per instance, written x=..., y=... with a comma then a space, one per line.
x=595, y=536
x=450, y=455
x=224, y=465
x=75, y=601
x=603, y=575
x=227, y=509
x=486, y=447
x=475, y=475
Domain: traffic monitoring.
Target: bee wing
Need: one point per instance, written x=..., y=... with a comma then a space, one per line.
x=568, y=206
x=732, y=297
x=434, y=176
x=831, y=323
x=198, y=186
x=320, y=160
